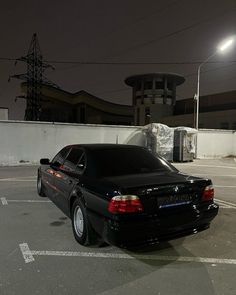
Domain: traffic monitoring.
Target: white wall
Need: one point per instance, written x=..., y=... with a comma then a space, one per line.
x=29, y=141
x=3, y=113
x=216, y=143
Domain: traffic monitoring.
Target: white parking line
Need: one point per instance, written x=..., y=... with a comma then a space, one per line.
x=28, y=256
x=211, y=166
x=222, y=202
x=16, y=180
x=5, y=201
x=30, y=201
x=227, y=186
x=214, y=175
x=23, y=178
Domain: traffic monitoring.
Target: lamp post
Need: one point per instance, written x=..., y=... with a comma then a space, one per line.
x=221, y=49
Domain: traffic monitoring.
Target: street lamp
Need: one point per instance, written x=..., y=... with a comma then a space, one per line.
x=220, y=49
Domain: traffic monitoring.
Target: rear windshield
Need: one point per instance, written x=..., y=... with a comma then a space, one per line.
x=123, y=161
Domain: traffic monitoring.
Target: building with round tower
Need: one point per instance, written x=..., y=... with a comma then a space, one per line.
x=154, y=96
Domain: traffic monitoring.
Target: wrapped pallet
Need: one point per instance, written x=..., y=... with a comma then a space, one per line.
x=160, y=139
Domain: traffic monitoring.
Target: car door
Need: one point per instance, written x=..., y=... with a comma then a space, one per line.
x=51, y=171
x=47, y=179
x=67, y=177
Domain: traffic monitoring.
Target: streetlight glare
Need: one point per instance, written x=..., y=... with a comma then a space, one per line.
x=226, y=44
x=220, y=49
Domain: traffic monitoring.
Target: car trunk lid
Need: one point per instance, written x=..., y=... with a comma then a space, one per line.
x=163, y=193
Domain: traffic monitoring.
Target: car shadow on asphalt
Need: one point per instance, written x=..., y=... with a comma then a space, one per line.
x=159, y=249
x=166, y=270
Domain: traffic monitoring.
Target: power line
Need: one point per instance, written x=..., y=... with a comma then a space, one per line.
x=185, y=76
x=8, y=59
x=77, y=62
x=135, y=63
x=142, y=45
x=186, y=28
x=210, y=70
x=142, y=18
x=215, y=82
x=138, y=20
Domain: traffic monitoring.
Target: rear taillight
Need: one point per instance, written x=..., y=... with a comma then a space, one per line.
x=208, y=193
x=125, y=204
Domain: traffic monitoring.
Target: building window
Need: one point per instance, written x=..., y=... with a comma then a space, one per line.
x=148, y=85
x=159, y=100
x=224, y=125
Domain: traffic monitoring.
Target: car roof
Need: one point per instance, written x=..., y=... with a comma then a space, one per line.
x=105, y=146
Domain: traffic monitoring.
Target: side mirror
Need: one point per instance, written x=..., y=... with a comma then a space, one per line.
x=44, y=161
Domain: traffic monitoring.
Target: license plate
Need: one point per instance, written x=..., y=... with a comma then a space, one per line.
x=172, y=201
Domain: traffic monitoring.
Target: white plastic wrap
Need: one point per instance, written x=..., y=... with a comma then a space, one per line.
x=160, y=139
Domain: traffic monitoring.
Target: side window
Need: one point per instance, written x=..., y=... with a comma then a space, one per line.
x=72, y=159
x=59, y=159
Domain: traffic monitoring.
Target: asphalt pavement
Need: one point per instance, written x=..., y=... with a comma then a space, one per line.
x=38, y=254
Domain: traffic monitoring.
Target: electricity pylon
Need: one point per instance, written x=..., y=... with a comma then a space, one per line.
x=34, y=80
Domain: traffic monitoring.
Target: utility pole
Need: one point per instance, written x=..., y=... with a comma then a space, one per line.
x=34, y=79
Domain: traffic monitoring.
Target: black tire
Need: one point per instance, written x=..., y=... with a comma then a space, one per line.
x=40, y=188
x=82, y=230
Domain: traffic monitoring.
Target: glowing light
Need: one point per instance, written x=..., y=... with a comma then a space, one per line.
x=226, y=44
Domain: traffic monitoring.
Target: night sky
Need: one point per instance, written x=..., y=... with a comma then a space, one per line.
x=118, y=31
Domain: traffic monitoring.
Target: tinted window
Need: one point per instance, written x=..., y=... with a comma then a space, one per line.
x=123, y=161
x=72, y=159
x=60, y=157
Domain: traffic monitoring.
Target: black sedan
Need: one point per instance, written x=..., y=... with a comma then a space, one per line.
x=124, y=195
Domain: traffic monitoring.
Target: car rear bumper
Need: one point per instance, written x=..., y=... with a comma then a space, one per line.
x=150, y=230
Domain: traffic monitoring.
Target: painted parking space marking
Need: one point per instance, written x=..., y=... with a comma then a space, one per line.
x=29, y=201
x=223, y=203
x=214, y=175
x=6, y=201
x=223, y=206
x=28, y=256
x=210, y=166
x=24, y=179
x=225, y=186
x=16, y=180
